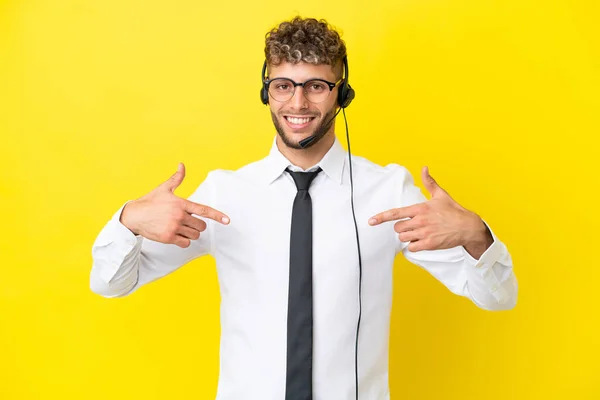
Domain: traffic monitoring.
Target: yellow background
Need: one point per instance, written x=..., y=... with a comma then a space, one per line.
x=99, y=101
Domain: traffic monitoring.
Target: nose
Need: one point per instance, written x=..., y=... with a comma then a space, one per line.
x=298, y=100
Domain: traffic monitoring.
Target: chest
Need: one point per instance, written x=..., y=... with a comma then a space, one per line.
x=258, y=238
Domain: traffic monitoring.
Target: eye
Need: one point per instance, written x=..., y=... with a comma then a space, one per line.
x=316, y=86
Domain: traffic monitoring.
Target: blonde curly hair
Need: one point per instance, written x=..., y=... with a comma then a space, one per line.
x=305, y=40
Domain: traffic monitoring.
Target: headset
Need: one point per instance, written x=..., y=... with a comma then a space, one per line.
x=345, y=96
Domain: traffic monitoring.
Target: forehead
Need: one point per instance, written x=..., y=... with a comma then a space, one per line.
x=301, y=71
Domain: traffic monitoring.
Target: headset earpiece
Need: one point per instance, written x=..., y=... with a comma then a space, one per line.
x=345, y=92
x=347, y=98
x=264, y=93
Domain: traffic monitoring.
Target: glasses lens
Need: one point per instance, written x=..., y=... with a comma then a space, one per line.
x=281, y=89
x=316, y=91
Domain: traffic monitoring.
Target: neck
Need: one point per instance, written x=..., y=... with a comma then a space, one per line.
x=306, y=158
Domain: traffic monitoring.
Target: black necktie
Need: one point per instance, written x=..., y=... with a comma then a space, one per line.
x=300, y=305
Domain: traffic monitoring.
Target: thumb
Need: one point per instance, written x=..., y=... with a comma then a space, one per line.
x=175, y=180
x=430, y=184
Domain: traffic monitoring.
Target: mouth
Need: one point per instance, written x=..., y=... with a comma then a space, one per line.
x=296, y=122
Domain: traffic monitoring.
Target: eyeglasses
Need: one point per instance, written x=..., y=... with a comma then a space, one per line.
x=315, y=90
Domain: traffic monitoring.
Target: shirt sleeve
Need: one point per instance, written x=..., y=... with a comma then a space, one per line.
x=489, y=282
x=123, y=262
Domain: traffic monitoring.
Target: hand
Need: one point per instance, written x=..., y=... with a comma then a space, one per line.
x=439, y=223
x=164, y=217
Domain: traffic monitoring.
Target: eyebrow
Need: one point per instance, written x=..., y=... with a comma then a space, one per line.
x=309, y=79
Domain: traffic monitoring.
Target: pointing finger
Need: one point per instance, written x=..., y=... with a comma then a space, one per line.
x=394, y=214
x=206, y=211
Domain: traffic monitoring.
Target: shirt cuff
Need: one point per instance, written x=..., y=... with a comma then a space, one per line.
x=482, y=270
x=113, y=245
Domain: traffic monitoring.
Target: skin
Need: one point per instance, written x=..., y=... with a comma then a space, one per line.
x=164, y=217
x=439, y=223
x=288, y=138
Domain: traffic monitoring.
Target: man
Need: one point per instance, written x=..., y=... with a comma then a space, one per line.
x=293, y=278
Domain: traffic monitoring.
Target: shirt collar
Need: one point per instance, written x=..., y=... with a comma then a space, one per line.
x=332, y=163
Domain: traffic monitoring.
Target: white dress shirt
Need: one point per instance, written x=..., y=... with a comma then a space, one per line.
x=252, y=259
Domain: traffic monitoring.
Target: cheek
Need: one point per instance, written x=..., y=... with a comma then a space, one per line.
x=275, y=108
x=329, y=108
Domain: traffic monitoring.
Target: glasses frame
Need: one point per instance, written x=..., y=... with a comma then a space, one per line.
x=331, y=85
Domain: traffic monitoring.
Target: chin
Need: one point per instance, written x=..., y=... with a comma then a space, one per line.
x=291, y=138
x=297, y=136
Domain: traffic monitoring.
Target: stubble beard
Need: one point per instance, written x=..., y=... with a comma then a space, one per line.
x=319, y=132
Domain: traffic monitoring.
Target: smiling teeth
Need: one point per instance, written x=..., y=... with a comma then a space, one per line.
x=298, y=121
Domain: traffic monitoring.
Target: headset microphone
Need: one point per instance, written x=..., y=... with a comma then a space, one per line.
x=306, y=141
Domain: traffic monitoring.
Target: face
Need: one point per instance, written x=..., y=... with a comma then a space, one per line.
x=298, y=118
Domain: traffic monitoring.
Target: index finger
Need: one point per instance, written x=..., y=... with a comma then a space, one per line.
x=394, y=214
x=206, y=211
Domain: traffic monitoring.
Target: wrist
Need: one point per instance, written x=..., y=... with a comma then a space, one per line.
x=126, y=218
x=479, y=238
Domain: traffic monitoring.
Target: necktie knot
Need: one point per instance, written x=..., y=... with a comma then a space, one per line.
x=303, y=179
